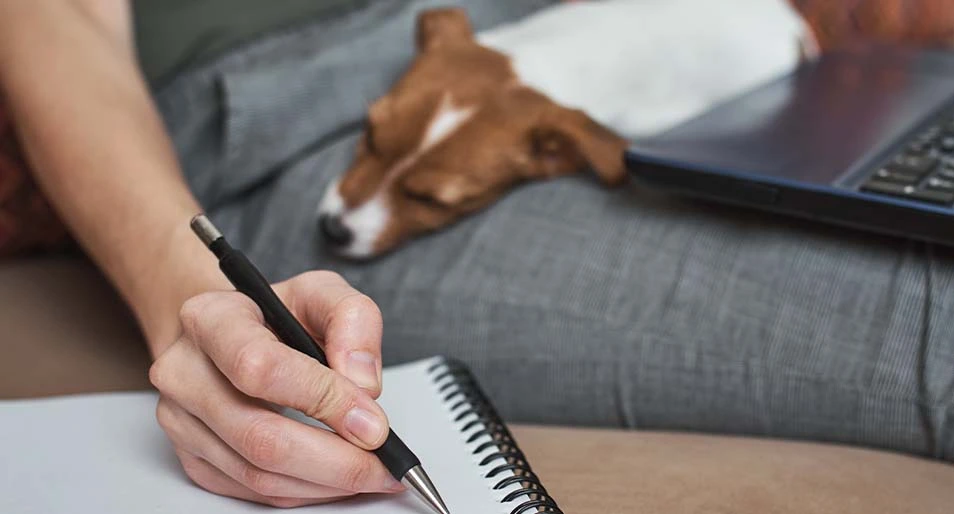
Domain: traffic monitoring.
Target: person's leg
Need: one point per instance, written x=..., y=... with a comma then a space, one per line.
x=574, y=304
x=238, y=121
x=577, y=305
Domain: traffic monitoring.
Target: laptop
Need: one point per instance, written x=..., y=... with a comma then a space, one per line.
x=862, y=138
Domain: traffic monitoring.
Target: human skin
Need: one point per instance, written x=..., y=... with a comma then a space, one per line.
x=96, y=147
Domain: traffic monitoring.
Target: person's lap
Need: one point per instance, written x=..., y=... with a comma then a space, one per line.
x=572, y=303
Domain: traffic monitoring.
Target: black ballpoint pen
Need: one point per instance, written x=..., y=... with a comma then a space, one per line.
x=396, y=456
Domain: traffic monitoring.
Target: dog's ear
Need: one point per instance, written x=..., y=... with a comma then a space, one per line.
x=567, y=141
x=437, y=28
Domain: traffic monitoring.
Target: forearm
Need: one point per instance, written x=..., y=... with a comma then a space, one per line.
x=99, y=151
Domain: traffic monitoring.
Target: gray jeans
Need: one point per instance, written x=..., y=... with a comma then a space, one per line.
x=574, y=304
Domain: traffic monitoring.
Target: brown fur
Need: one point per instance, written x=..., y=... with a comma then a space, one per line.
x=515, y=135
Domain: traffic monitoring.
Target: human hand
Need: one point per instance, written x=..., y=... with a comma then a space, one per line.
x=221, y=380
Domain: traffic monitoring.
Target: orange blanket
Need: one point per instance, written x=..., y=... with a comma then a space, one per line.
x=841, y=23
x=26, y=221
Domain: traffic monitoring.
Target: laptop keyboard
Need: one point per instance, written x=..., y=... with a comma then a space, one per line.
x=923, y=171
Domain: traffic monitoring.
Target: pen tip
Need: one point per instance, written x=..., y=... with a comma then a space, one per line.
x=203, y=227
x=417, y=480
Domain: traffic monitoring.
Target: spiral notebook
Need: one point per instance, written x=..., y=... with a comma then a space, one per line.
x=105, y=454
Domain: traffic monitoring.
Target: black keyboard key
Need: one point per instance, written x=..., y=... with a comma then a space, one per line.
x=934, y=196
x=940, y=184
x=918, y=164
x=909, y=192
x=923, y=171
x=946, y=173
x=897, y=176
x=946, y=144
x=888, y=188
x=932, y=133
x=919, y=147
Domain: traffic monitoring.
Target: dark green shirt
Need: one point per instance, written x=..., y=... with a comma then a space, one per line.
x=172, y=34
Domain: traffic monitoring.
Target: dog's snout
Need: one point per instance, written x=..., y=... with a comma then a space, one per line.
x=335, y=230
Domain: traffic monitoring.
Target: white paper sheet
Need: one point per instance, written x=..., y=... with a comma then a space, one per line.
x=105, y=454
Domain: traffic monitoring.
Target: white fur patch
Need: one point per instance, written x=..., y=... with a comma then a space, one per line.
x=636, y=66
x=447, y=119
x=331, y=202
x=366, y=223
x=642, y=66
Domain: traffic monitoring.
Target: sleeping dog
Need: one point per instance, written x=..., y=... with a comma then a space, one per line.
x=554, y=94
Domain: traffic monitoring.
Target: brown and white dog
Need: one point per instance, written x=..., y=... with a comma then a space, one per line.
x=557, y=93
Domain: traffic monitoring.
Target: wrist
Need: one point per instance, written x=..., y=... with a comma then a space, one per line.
x=184, y=269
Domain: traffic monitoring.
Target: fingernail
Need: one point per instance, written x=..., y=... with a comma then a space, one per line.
x=365, y=426
x=363, y=370
x=392, y=486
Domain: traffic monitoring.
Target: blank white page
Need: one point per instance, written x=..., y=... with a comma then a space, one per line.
x=105, y=454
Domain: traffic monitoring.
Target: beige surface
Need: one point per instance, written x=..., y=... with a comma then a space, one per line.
x=593, y=471
x=62, y=331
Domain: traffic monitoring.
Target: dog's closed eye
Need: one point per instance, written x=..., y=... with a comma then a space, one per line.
x=424, y=199
x=369, y=143
x=440, y=190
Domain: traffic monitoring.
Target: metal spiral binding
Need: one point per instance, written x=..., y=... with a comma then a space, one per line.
x=466, y=398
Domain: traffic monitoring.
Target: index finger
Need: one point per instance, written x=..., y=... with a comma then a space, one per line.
x=228, y=327
x=346, y=323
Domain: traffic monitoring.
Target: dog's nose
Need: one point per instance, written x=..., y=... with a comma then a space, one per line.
x=335, y=230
